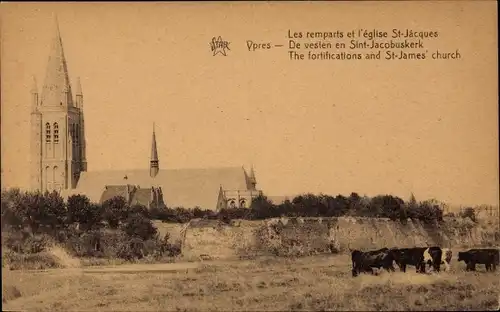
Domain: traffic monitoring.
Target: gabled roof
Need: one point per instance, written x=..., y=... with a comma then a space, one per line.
x=111, y=191
x=186, y=188
x=141, y=197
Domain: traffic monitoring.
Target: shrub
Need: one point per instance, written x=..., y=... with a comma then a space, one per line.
x=86, y=214
x=470, y=213
x=115, y=211
x=139, y=226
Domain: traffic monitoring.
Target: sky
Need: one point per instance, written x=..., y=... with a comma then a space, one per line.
x=427, y=127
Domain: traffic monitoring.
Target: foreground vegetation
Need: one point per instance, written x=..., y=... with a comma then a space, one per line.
x=318, y=283
x=34, y=224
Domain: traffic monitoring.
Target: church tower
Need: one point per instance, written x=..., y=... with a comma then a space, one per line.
x=57, y=127
x=154, y=165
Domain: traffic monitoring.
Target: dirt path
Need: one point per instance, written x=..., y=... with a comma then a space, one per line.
x=312, y=261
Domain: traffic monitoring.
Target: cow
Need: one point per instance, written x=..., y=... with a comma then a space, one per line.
x=409, y=256
x=446, y=258
x=433, y=256
x=366, y=261
x=419, y=257
x=487, y=256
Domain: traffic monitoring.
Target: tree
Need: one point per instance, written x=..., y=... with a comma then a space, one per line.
x=388, y=206
x=11, y=200
x=470, y=213
x=115, y=211
x=54, y=214
x=81, y=210
x=429, y=212
x=140, y=209
x=137, y=225
x=261, y=207
x=31, y=210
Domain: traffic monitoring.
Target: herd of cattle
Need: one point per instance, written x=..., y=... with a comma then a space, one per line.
x=420, y=257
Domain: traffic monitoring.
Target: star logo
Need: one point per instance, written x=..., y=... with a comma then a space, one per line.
x=219, y=46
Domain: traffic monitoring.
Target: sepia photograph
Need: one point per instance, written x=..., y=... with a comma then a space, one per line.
x=250, y=156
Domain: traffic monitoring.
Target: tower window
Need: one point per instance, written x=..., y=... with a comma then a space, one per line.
x=47, y=132
x=72, y=132
x=56, y=133
x=77, y=133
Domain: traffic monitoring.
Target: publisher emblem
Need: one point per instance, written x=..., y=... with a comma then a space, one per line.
x=219, y=46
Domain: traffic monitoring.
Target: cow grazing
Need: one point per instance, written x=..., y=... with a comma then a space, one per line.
x=446, y=258
x=487, y=256
x=366, y=261
x=433, y=256
x=409, y=256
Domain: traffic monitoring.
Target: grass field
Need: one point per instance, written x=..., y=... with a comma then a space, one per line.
x=314, y=283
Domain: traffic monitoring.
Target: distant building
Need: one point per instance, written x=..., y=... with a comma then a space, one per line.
x=58, y=157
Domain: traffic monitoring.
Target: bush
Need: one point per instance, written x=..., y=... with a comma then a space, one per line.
x=86, y=214
x=139, y=226
x=115, y=211
x=470, y=213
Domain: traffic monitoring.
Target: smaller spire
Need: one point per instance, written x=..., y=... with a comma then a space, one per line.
x=154, y=151
x=252, y=172
x=34, y=88
x=154, y=163
x=253, y=180
x=78, y=86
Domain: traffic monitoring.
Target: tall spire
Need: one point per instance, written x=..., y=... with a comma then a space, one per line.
x=154, y=163
x=34, y=87
x=56, y=89
x=34, y=96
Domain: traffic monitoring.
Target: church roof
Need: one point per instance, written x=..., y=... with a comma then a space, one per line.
x=113, y=191
x=186, y=188
x=141, y=197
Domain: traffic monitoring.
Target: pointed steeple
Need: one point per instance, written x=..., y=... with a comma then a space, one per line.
x=34, y=87
x=154, y=163
x=78, y=90
x=253, y=180
x=154, y=151
x=34, y=96
x=56, y=89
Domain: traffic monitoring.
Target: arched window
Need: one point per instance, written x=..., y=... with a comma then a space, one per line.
x=56, y=133
x=243, y=203
x=71, y=133
x=77, y=133
x=47, y=132
x=73, y=130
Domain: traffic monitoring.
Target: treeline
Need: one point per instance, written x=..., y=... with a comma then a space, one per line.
x=114, y=229
x=309, y=205
x=31, y=222
x=49, y=210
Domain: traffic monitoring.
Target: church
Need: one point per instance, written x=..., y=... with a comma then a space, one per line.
x=58, y=157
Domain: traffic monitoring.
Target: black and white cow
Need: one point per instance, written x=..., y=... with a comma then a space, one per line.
x=433, y=256
x=446, y=257
x=487, y=256
x=418, y=257
x=366, y=261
